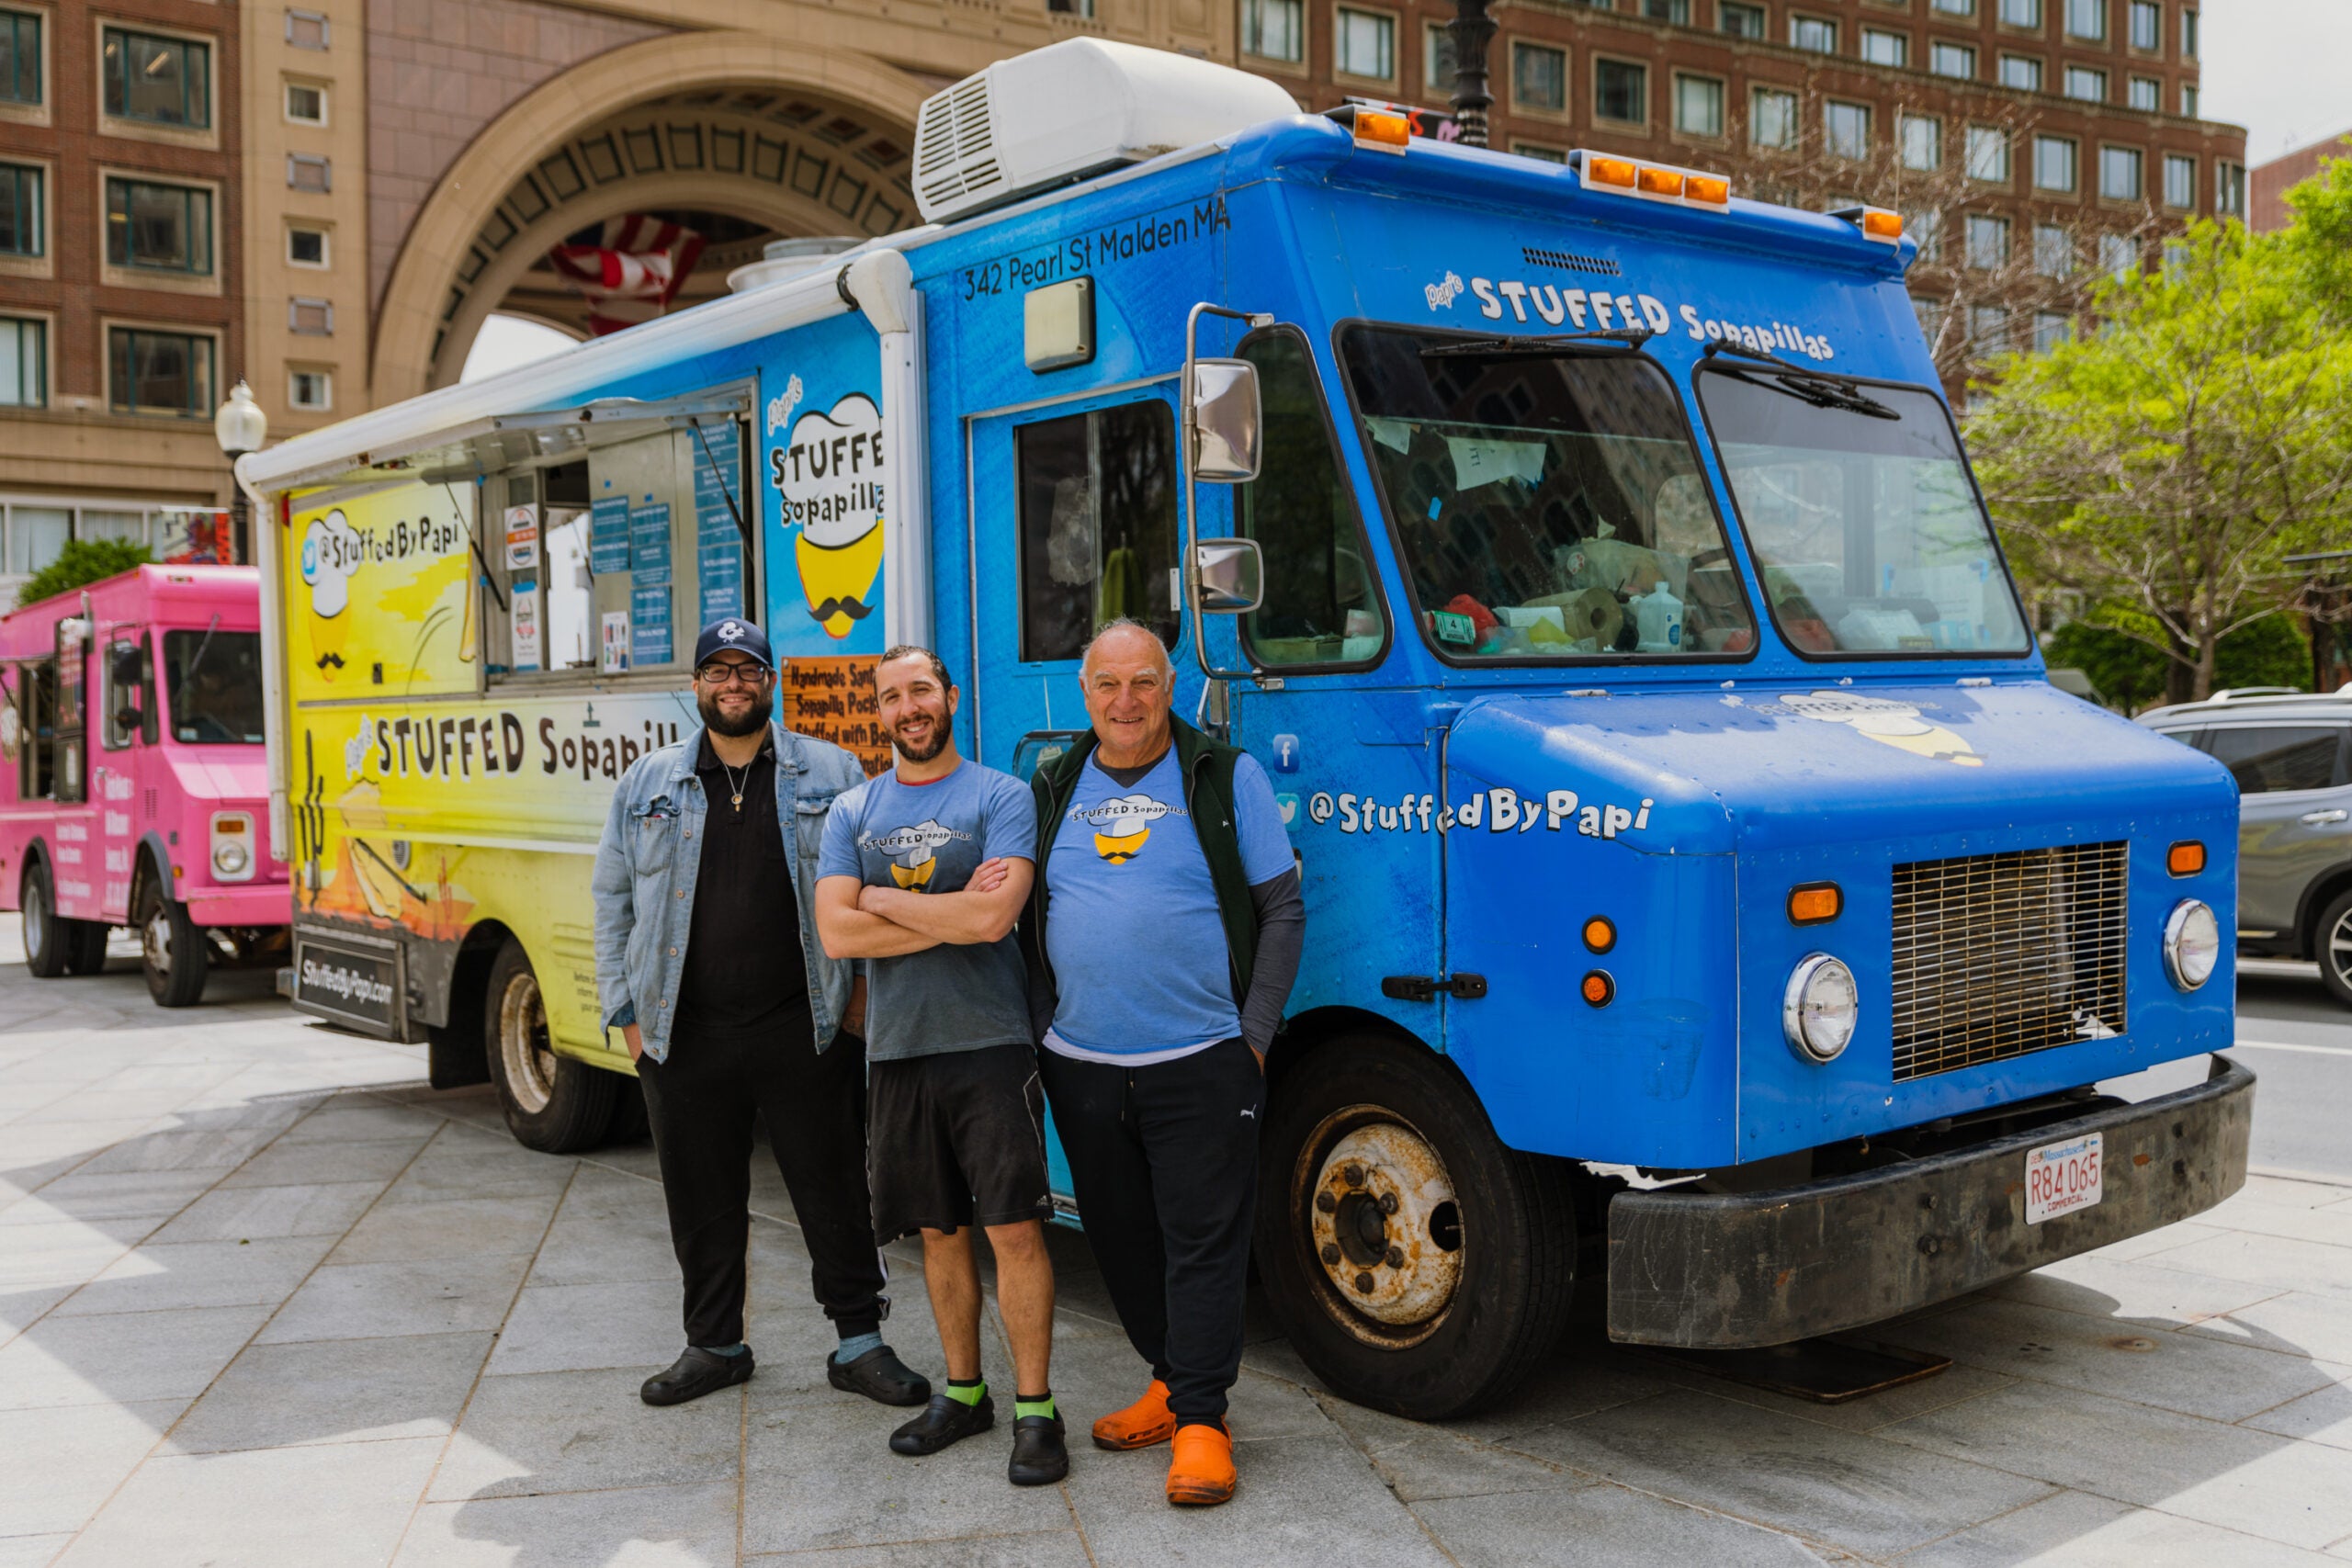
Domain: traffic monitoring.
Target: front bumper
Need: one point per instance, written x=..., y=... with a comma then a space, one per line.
x=260, y=904
x=1707, y=1270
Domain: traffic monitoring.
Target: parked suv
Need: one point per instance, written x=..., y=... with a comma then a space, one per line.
x=2291, y=753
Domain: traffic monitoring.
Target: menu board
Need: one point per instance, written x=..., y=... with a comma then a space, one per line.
x=608, y=535
x=719, y=542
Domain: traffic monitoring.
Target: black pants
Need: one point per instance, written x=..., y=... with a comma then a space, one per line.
x=700, y=1103
x=1164, y=1159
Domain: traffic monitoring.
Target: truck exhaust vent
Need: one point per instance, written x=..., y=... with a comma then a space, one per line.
x=1569, y=261
x=1998, y=955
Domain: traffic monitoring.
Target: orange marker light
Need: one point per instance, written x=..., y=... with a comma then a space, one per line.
x=1599, y=934
x=1660, y=182
x=1599, y=989
x=1389, y=132
x=1611, y=172
x=232, y=824
x=1710, y=188
x=1880, y=225
x=2186, y=858
x=1812, y=903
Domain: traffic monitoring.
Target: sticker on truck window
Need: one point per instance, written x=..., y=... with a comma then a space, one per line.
x=2062, y=1178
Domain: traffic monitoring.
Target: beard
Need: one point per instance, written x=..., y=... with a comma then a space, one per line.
x=940, y=735
x=747, y=723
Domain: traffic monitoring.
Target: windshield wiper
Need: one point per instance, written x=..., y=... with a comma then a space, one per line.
x=1805, y=386
x=1632, y=337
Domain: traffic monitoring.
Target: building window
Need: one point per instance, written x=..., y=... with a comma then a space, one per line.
x=1539, y=77
x=2119, y=174
x=19, y=57
x=1740, y=21
x=160, y=227
x=2189, y=34
x=2053, y=251
x=1989, y=242
x=162, y=81
x=1952, y=60
x=2086, y=85
x=2021, y=13
x=2180, y=180
x=1437, y=58
x=1365, y=45
x=309, y=171
x=306, y=247
x=1621, y=91
x=2176, y=253
x=20, y=211
x=1815, y=33
x=1988, y=153
x=2144, y=94
x=1929, y=229
x=309, y=388
x=1541, y=153
x=1676, y=11
x=310, y=318
x=2051, y=328
x=1988, y=330
x=24, y=363
x=306, y=104
x=2021, y=72
x=1772, y=119
x=2119, y=254
x=2189, y=99
x=2229, y=188
x=1886, y=49
x=1923, y=141
x=1845, y=129
x=1274, y=29
x=306, y=29
x=2086, y=19
x=1698, y=106
x=1955, y=7
x=2054, y=164
x=1931, y=316
x=152, y=372
x=2147, y=25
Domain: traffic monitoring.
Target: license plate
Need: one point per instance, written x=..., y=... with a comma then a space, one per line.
x=2063, y=1177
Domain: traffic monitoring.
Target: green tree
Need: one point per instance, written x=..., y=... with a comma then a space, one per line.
x=2129, y=667
x=2164, y=463
x=82, y=561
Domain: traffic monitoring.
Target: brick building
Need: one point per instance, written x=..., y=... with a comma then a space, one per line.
x=2267, y=185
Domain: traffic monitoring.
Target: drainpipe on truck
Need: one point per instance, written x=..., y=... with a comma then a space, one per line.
x=881, y=284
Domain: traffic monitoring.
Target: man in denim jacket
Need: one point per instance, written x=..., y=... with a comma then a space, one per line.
x=709, y=963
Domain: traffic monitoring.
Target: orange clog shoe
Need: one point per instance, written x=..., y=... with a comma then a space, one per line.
x=1140, y=1425
x=1200, y=1472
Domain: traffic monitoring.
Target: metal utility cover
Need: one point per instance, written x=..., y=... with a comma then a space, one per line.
x=1058, y=324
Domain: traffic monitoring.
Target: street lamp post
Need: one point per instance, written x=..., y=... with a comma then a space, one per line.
x=1471, y=28
x=240, y=427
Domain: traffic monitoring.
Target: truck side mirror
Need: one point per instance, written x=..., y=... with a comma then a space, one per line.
x=122, y=663
x=1223, y=399
x=1232, y=574
x=128, y=718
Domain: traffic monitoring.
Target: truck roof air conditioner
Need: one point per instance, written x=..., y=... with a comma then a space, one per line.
x=1069, y=109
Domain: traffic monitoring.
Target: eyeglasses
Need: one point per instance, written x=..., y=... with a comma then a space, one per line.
x=718, y=673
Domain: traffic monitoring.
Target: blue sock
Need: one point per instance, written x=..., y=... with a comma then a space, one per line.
x=738, y=1349
x=854, y=1346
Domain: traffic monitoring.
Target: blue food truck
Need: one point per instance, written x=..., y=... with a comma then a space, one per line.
x=1712, y=906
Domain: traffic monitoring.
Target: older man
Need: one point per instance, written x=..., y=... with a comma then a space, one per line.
x=1163, y=931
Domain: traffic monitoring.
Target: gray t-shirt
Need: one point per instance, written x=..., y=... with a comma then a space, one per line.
x=930, y=837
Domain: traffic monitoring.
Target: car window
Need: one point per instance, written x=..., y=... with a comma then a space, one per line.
x=2269, y=758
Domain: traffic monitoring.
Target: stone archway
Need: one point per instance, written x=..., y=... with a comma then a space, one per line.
x=799, y=141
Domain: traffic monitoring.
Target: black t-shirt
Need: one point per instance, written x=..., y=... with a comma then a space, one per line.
x=744, y=975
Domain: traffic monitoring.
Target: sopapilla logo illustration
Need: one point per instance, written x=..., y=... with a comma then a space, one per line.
x=1122, y=824
x=1890, y=722
x=828, y=477
x=913, y=851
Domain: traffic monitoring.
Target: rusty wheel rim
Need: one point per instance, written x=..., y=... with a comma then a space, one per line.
x=1383, y=1226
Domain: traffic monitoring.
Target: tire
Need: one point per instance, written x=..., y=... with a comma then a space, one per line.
x=553, y=1104
x=48, y=938
x=1479, y=1269
x=172, y=948
x=2332, y=945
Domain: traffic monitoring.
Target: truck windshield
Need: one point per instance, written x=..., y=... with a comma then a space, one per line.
x=1548, y=505
x=1865, y=527
x=214, y=681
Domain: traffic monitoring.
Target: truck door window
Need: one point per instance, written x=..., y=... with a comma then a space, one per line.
x=212, y=683
x=1098, y=525
x=1547, y=505
x=35, y=699
x=66, y=780
x=1322, y=604
x=1862, y=517
x=2265, y=759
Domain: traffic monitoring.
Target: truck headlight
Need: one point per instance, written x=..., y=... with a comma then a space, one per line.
x=1819, y=1008
x=2192, y=943
x=232, y=849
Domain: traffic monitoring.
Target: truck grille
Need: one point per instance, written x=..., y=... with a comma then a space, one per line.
x=1996, y=955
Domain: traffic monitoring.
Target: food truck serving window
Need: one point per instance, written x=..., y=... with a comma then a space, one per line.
x=1865, y=525
x=1548, y=505
x=213, y=680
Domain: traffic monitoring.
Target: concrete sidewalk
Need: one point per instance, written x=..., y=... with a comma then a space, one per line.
x=265, y=1299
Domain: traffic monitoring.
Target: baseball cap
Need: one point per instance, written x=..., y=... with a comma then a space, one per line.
x=733, y=631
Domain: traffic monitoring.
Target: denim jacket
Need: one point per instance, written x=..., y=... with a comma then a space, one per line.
x=651, y=854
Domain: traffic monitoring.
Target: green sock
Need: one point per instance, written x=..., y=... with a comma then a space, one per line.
x=967, y=1392
x=1034, y=1405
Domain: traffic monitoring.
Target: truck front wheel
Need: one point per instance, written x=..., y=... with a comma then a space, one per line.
x=1420, y=1268
x=55, y=945
x=552, y=1103
x=172, y=949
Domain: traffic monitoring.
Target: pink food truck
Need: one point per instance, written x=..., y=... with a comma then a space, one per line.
x=132, y=788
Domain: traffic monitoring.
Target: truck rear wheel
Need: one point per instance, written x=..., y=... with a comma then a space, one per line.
x=172, y=948
x=55, y=945
x=1420, y=1268
x=552, y=1103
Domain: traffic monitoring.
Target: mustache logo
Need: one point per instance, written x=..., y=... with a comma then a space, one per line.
x=847, y=604
x=330, y=658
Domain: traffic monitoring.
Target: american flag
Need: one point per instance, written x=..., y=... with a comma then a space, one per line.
x=632, y=272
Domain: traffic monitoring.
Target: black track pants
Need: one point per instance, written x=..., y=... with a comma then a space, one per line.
x=1164, y=1159
x=700, y=1103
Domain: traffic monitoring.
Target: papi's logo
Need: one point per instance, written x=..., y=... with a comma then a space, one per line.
x=829, y=476
x=913, y=851
x=1122, y=825
x=1889, y=723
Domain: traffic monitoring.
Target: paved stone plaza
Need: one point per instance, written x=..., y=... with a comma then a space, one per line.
x=267, y=1300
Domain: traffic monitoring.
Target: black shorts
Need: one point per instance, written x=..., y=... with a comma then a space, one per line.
x=957, y=1140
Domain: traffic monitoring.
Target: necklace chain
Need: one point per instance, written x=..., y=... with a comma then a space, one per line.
x=735, y=785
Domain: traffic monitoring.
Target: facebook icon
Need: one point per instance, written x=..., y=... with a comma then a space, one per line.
x=1285, y=754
